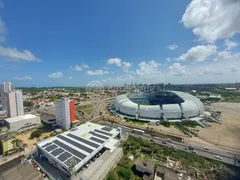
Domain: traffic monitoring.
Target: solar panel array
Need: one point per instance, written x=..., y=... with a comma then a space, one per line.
x=108, y=129
x=69, y=147
x=98, y=135
x=102, y=132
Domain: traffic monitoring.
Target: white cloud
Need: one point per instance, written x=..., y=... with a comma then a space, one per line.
x=172, y=47
x=177, y=69
x=70, y=78
x=115, y=61
x=150, y=68
x=229, y=44
x=3, y=29
x=15, y=54
x=85, y=66
x=56, y=75
x=208, y=71
x=213, y=19
x=198, y=53
x=76, y=68
x=118, y=62
x=233, y=69
x=126, y=66
x=23, y=78
x=97, y=72
x=227, y=56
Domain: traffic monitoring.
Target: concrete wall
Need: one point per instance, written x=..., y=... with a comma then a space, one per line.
x=24, y=125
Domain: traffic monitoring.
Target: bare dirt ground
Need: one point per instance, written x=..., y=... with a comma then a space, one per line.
x=227, y=134
x=30, y=142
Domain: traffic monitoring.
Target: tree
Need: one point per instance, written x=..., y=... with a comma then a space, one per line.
x=110, y=176
x=35, y=134
x=125, y=173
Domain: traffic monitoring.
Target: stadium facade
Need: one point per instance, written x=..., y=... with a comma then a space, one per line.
x=162, y=105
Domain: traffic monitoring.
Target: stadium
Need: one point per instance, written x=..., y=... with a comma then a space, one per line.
x=158, y=106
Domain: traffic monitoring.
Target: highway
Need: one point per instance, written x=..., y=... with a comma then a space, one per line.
x=227, y=157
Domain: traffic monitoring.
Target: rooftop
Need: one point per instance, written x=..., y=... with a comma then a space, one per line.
x=20, y=118
x=15, y=170
x=79, y=144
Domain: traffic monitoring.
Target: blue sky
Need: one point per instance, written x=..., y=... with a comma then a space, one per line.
x=57, y=43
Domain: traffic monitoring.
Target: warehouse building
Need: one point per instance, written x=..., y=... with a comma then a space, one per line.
x=76, y=148
x=23, y=123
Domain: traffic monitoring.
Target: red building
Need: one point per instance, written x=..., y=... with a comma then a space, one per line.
x=72, y=112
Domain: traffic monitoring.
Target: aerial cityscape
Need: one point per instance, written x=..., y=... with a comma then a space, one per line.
x=120, y=90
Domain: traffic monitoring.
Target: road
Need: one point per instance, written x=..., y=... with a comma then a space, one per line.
x=227, y=157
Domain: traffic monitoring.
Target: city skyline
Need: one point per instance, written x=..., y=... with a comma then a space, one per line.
x=119, y=42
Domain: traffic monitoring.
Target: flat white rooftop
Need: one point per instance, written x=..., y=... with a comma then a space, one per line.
x=78, y=145
x=20, y=118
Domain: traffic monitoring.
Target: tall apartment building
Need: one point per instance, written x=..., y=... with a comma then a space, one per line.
x=65, y=112
x=9, y=104
x=6, y=87
x=19, y=102
x=12, y=100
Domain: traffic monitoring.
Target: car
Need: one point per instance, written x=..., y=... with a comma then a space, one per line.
x=164, y=142
x=156, y=137
x=206, y=148
x=191, y=147
x=168, y=140
x=172, y=145
x=195, y=152
x=218, y=157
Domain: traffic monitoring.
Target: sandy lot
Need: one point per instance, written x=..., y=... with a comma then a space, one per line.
x=30, y=142
x=227, y=134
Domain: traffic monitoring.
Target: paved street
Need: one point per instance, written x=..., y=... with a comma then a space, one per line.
x=227, y=157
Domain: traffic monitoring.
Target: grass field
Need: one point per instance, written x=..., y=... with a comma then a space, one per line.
x=88, y=108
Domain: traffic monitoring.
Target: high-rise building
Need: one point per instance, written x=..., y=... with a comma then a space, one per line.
x=19, y=102
x=12, y=100
x=65, y=113
x=72, y=112
x=9, y=104
x=4, y=88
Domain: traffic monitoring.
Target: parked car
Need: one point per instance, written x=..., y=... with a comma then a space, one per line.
x=218, y=157
x=206, y=148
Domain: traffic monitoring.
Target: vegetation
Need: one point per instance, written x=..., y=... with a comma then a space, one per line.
x=135, y=121
x=166, y=123
x=35, y=134
x=229, y=96
x=28, y=103
x=110, y=176
x=88, y=108
x=125, y=172
x=184, y=129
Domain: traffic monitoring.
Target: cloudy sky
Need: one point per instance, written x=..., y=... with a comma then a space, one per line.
x=71, y=43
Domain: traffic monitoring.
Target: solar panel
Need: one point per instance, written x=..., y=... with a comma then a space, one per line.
x=64, y=156
x=97, y=140
x=107, y=129
x=46, y=145
x=69, y=149
x=50, y=148
x=98, y=135
x=57, y=151
x=76, y=161
x=83, y=140
x=102, y=132
x=80, y=146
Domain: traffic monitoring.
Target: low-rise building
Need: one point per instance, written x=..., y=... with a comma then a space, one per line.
x=77, y=148
x=23, y=123
x=6, y=143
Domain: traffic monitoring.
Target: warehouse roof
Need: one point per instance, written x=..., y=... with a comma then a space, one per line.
x=78, y=145
x=20, y=118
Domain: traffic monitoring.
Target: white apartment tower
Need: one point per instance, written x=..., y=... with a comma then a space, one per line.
x=19, y=102
x=9, y=104
x=63, y=113
x=12, y=100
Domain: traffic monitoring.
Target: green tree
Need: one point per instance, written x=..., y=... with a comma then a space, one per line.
x=125, y=173
x=35, y=134
x=110, y=176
